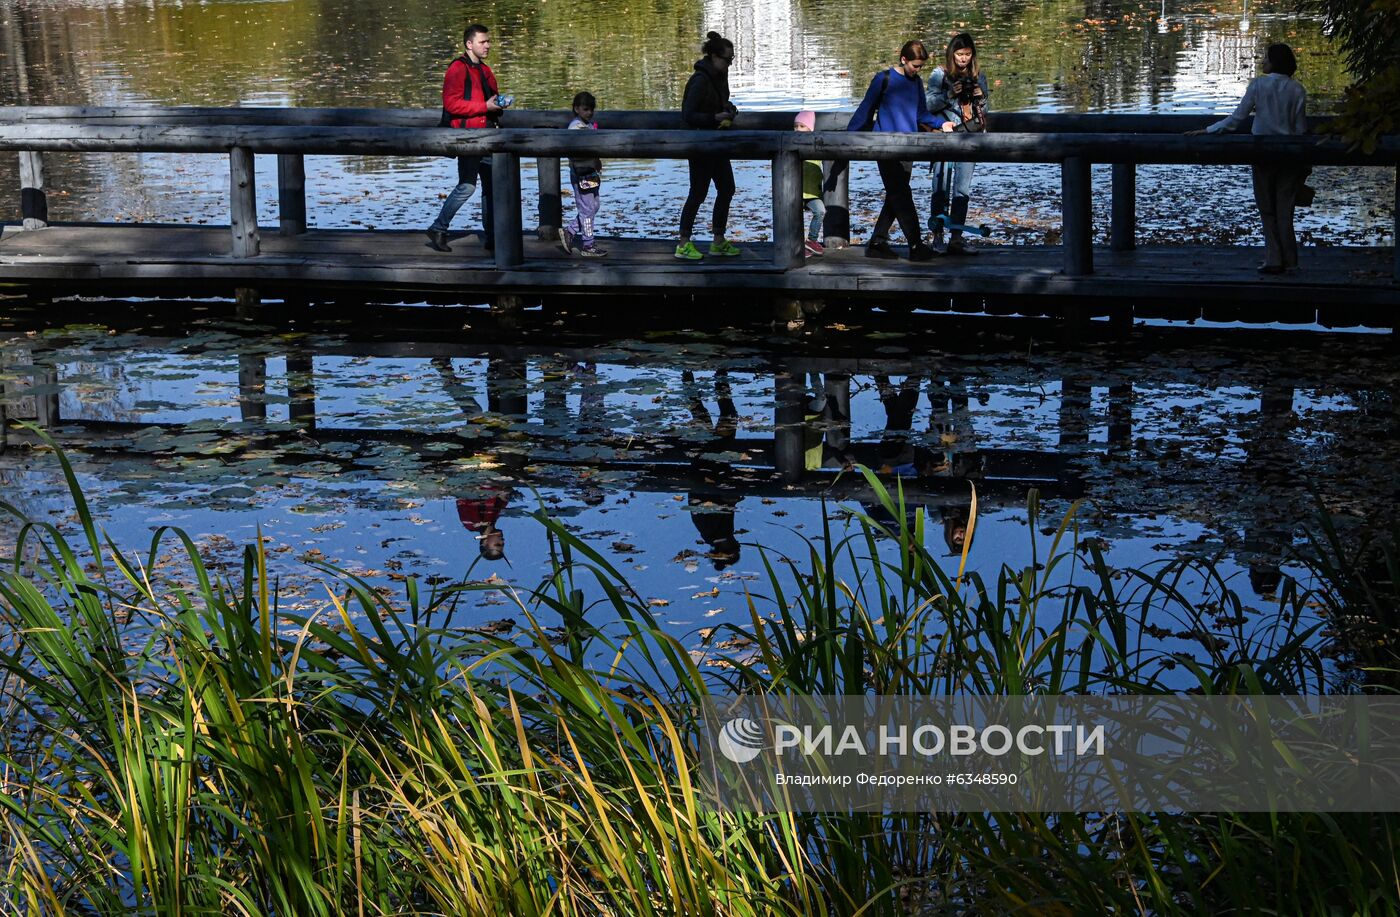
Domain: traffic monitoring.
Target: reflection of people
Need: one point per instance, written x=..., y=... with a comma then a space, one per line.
x=952, y=421
x=827, y=422
x=479, y=515
x=712, y=512
x=1278, y=102
x=897, y=454
x=955, y=526
x=706, y=106
x=469, y=100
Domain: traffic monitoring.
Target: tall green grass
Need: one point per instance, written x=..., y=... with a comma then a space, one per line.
x=187, y=747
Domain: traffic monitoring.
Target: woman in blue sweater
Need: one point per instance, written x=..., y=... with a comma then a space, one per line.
x=895, y=103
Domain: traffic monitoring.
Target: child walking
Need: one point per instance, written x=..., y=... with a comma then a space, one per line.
x=805, y=122
x=958, y=92
x=586, y=176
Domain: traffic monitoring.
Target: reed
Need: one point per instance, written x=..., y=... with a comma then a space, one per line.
x=188, y=747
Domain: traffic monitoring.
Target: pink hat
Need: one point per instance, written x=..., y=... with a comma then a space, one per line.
x=807, y=119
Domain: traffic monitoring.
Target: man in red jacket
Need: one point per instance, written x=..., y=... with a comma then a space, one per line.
x=468, y=100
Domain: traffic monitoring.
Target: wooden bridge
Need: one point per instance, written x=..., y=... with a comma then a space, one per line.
x=1093, y=280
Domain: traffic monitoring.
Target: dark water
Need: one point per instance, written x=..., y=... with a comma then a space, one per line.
x=383, y=450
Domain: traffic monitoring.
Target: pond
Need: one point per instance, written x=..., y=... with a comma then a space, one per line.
x=401, y=446
x=387, y=438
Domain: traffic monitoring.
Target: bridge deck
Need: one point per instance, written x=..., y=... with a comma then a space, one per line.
x=401, y=259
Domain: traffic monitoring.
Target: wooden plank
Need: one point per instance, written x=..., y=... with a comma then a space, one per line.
x=681, y=144
x=291, y=194
x=505, y=184
x=1123, y=219
x=33, y=200
x=613, y=119
x=46, y=413
x=105, y=254
x=551, y=215
x=243, y=203
x=1076, y=205
x=787, y=212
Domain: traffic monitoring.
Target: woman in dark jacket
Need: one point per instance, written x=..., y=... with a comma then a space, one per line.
x=706, y=106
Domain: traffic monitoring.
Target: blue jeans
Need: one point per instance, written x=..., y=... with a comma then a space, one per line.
x=817, y=208
x=950, y=179
x=469, y=169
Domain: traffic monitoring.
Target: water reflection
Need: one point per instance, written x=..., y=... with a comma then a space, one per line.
x=677, y=453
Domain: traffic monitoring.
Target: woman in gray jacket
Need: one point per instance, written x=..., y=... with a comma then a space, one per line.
x=958, y=92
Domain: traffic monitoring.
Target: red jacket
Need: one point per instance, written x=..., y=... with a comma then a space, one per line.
x=469, y=111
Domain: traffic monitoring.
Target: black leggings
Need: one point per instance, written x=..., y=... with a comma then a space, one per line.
x=899, y=202
x=703, y=170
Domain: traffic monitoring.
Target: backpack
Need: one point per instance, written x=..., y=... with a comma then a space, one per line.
x=875, y=111
x=446, y=119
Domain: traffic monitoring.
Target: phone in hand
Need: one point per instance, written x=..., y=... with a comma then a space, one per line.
x=505, y=101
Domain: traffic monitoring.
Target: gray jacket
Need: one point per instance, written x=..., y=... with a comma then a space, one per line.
x=940, y=95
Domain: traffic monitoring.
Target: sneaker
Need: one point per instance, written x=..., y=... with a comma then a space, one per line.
x=593, y=251
x=437, y=240
x=879, y=247
x=814, y=247
x=959, y=247
x=566, y=241
x=725, y=248
x=922, y=252
x=688, y=252
x=1270, y=269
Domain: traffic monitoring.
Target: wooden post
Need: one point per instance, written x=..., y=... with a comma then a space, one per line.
x=789, y=403
x=505, y=184
x=301, y=389
x=1077, y=215
x=243, y=198
x=1120, y=417
x=1395, y=237
x=252, y=387
x=551, y=197
x=46, y=399
x=787, y=211
x=33, y=201
x=1075, y=398
x=836, y=192
x=291, y=194
x=1123, y=226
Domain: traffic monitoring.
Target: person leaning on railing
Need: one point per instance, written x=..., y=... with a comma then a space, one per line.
x=895, y=103
x=1279, y=104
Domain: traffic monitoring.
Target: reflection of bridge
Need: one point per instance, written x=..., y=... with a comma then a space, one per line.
x=799, y=451
x=1122, y=274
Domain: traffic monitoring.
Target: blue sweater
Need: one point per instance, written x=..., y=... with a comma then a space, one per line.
x=902, y=107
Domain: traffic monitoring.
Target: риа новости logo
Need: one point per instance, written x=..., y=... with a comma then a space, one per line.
x=741, y=740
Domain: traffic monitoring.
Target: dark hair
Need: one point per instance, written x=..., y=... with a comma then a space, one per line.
x=914, y=50
x=959, y=42
x=716, y=45
x=585, y=100
x=1281, y=59
x=474, y=30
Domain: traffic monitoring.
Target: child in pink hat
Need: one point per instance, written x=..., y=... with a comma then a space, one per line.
x=806, y=121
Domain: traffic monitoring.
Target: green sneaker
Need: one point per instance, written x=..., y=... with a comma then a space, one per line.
x=724, y=247
x=689, y=252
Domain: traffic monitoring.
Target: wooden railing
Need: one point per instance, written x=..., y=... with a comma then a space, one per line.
x=1073, y=141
